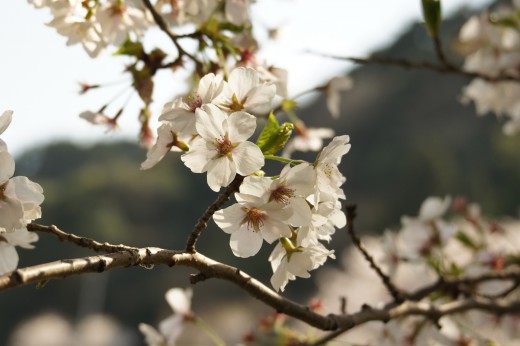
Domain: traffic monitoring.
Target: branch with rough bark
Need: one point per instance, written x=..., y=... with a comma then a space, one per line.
x=127, y=256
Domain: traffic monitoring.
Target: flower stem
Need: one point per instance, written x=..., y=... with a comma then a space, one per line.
x=199, y=322
x=283, y=159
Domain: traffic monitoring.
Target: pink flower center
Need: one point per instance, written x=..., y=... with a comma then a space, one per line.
x=193, y=101
x=282, y=194
x=254, y=218
x=224, y=147
x=2, y=191
x=236, y=104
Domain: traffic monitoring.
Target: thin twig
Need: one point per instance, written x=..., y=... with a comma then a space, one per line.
x=351, y=215
x=80, y=241
x=424, y=65
x=161, y=23
x=440, y=52
x=219, y=202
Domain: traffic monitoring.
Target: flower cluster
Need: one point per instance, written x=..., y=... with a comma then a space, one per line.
x=430, y=246
x=97, y=24
x=20, y=201
x=298, y=208
x=493, y=40
x=179, y=12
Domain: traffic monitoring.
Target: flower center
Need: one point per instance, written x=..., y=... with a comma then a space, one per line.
x=193, y=101
x=282, y=194
x=236, y=104
x=224, y=147
x=2, y=191
x=254, y=218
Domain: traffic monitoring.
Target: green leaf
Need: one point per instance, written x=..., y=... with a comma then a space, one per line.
x=506, y=21
x=131, y=48
x=432, y=16
x=274, y=136
x=466, y=240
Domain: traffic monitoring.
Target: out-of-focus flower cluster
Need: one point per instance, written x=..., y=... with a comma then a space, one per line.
x=429, y=246
x=493, y=43
x=20, y=201
x=96, y=24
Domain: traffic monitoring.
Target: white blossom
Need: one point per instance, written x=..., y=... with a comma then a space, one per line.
x=252, y=220
x=333, y=92
x=328, y=177
x=291, y=260
x=222, y=149
x=8, y=242
x=307, y=139
x=244, y=91
x=289, y=190
x=117, y=19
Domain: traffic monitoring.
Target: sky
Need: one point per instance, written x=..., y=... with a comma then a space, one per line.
x=39, y=74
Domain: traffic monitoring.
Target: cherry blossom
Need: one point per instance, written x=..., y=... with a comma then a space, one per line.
x=8, y=242
x=307, y=139
x=5, y=120
x=118, y=18
x=70, y=20
x=170, y=329
x=290, y=260
x=328, y=177
x=20, y=198
x=244, y=91
x=181, y=112
x=222, y=149
x=289, y=190
x=167, y=140
x=252, y=220
x=333, y=90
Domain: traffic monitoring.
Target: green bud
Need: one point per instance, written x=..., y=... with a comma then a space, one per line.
x=131, y=48
x=432, y=16
x=274, y=136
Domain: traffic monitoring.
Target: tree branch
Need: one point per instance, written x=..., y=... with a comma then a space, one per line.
x=219, y=202
x=351, y=215
x=210, y=268
x=161, y=23
x=80, y=241
x=424, y=65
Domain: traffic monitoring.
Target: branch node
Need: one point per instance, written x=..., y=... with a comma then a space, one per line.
x=199, y=277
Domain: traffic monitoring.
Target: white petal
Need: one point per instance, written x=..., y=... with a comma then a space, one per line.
x=5, y=120
x=241, y=126
x=201, y=152
x=221, y=172
x=11, y=214
x=434, y=207
x=171, y=328
x=256, y=186
x=27, y=191
x=245, y=242
x=248, y=158
x=209, y=122
x=8, y=258
x=230, y=218
x=179, y=299
x=7, y=166
x=302, y=214
x=241, y=80
x=259, y=99
x=21, y=237
x=151, y=336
